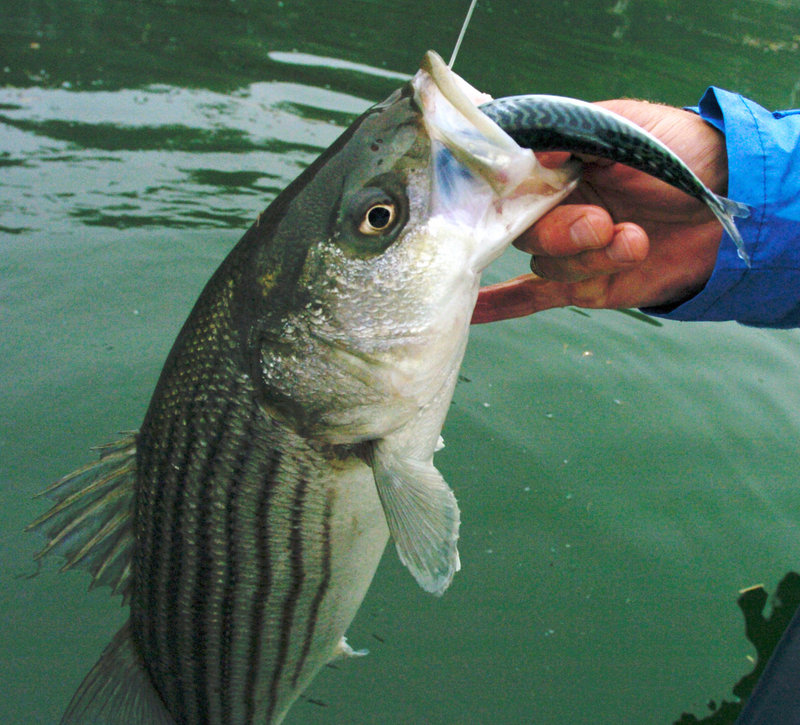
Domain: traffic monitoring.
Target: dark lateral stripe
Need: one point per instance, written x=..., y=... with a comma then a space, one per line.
x=325, y=581
x=289, y=605
x=203, y=587
x=232, y=573
x=152, y=454
x=264, y=581
x=171, y=570
x=155, y=555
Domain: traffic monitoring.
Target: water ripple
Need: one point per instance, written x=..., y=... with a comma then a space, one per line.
x=159, y=156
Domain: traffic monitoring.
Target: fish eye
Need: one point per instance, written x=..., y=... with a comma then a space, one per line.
x=378, y=218
x=370, y=219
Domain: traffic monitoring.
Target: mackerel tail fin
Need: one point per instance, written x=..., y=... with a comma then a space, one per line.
x=726, y=210
x=90, y=524
x=117, y=690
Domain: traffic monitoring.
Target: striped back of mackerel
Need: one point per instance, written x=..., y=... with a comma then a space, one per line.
x=557, y=123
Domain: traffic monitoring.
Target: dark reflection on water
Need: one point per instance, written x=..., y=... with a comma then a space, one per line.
x=764, y=633
x=120, y=44
x=224, y=45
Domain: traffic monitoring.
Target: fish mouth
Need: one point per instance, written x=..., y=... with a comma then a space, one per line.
x=450, y=105
x=481, y=177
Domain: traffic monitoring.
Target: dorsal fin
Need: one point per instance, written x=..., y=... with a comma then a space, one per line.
x=90, y=524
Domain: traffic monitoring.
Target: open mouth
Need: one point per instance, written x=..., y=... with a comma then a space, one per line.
x=483, y=179
x=453, y=119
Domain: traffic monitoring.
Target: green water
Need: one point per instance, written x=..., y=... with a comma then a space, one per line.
x=619, y=481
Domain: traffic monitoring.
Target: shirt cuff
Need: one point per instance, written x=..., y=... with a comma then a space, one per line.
x=767, y=293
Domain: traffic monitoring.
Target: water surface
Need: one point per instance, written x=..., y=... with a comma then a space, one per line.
x=619, y=481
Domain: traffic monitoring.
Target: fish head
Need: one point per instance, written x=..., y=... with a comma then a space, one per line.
x=371, y=260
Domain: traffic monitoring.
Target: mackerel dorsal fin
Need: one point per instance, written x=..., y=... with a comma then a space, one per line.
x=117, y=690
x=90, y=524
x=422, y=514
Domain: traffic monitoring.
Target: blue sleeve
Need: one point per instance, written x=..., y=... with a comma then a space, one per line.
x=764, y=173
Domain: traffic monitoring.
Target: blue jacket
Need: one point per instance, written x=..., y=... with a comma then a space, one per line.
x=764, y=173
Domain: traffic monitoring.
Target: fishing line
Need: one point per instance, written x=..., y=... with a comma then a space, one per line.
x=461, y=34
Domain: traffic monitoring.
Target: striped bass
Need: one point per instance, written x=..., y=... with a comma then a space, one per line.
x=293, y=427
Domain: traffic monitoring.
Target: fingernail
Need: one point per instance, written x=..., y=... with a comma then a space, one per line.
x=583, y=234
x=622, y=250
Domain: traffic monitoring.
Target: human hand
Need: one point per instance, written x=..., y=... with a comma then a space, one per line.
x=622, y=238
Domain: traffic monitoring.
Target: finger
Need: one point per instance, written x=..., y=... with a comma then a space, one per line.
x=628, y=247
x=516, y=298
x=567, y=230
x=553, y=159
x=584, y=280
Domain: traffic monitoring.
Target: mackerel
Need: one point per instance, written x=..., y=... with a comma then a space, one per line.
x=558, y=123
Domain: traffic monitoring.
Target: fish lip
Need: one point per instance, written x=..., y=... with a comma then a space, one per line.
x=451, y=113
x=464, y=98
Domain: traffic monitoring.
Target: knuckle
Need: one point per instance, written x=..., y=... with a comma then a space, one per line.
x=550, y=235
x=591, y=293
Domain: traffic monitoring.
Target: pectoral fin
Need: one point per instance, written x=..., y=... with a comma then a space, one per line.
x=422, y=515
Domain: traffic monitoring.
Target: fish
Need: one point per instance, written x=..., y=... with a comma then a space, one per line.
x=559, y=123
x=292, y=430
